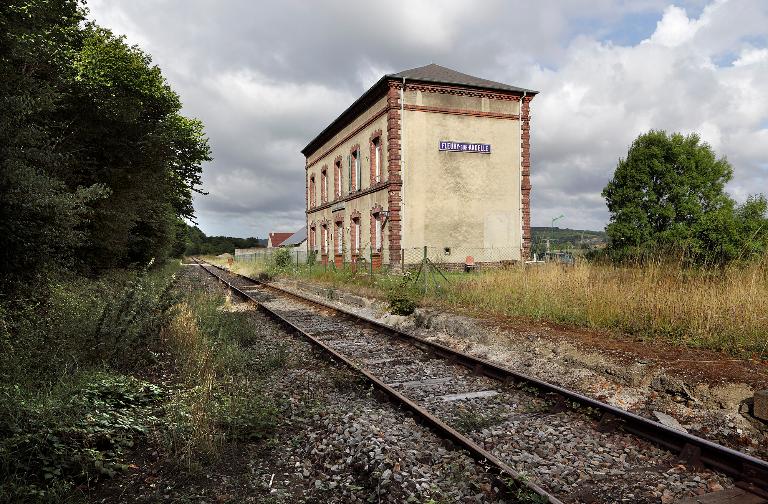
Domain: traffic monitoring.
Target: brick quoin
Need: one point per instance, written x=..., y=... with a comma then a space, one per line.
x=306, y=192
x=525, y=186
x=393, y=169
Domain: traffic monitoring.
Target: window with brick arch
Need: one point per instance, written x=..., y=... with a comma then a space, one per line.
x=337, y=180
x=312, y=201
x=354, y=232
x=324, y=239
x=376, y=160
x=324, y=185
x=312, y=238
x=376, y=232
x=339, y=237
x=357, y=172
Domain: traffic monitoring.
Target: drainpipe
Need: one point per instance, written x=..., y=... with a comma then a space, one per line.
x=520, y=185
x=402, y=167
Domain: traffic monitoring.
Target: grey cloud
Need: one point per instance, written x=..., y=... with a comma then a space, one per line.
x=266, y=77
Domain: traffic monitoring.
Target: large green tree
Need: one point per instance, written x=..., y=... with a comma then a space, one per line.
x=97, y=165
x=150, y=159
x=668, y=196
x=41, y=218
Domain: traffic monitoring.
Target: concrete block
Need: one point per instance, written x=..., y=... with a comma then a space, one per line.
x=761, y=404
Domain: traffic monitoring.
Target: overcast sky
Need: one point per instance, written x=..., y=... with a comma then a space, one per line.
x=266, y=77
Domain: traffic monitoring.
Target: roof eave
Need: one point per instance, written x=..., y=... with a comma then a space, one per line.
x=337, y=123
x=464, y=85
x=315, y=142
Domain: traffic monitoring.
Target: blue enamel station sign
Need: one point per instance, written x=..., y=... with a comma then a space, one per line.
x=477, y=148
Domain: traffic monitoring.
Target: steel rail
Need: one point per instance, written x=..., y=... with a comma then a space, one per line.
x=503, y=470
x=750, y=473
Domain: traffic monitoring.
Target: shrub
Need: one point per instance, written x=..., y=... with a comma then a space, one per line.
x=402, y=299
x=130, y=324
x=282, y=258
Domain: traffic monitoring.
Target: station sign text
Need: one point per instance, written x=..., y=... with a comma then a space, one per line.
x=477, y=148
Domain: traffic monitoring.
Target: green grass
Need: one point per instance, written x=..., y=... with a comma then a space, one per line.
x=76, y=389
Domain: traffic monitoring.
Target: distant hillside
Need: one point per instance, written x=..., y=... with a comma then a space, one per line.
x=564, y=238
x=199, y=243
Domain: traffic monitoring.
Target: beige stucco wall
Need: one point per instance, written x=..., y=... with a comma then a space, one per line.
x=464, y=201
x=365, y=202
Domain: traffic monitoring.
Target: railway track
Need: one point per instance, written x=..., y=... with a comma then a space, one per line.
x=557, y=444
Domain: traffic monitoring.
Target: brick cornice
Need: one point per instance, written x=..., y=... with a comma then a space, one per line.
x=462, y=112
x=461, y=91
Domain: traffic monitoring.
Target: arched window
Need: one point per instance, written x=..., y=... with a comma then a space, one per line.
x=354, y=235
x=376, y=159
x=312, y=201
x=324, y=239
x=337, y=180
x=376, y=234
x=324, y=185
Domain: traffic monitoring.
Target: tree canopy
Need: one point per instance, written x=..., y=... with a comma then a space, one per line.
x=668, y=196
x=97, y=165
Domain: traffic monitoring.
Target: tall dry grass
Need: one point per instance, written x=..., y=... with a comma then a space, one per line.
x=194, y=431
x=724, y=310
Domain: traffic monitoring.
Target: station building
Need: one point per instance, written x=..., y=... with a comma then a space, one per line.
x=426, y=157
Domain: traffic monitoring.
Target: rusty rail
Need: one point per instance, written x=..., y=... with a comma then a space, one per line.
x=750, y=472
x=503, y=471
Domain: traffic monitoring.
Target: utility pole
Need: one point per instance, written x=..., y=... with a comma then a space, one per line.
x=552, y=228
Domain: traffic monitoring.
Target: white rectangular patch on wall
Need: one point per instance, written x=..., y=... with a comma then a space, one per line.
x=476, y=148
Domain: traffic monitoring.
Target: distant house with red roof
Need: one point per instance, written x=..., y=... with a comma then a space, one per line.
x=276, y=239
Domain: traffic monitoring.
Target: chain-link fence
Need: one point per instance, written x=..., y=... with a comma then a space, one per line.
x=298, y=255
x=457, y=258
x=396, y=261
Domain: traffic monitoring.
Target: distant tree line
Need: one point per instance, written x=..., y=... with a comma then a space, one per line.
x=97, y=165
x=196, y=242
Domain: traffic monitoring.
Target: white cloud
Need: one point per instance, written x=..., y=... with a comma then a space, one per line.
x=265, y=79
x=603, y=96
x=751, y=56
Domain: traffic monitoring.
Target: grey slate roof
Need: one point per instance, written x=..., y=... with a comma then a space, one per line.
x=296, y=238
x=442, y=75
x=429, y=73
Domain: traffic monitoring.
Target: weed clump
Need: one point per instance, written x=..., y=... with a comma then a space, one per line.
x=403, y=299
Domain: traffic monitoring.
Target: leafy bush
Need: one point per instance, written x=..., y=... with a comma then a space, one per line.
x=129, y=326
x=282, y=258
x=403, y=298
x=51, y=442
